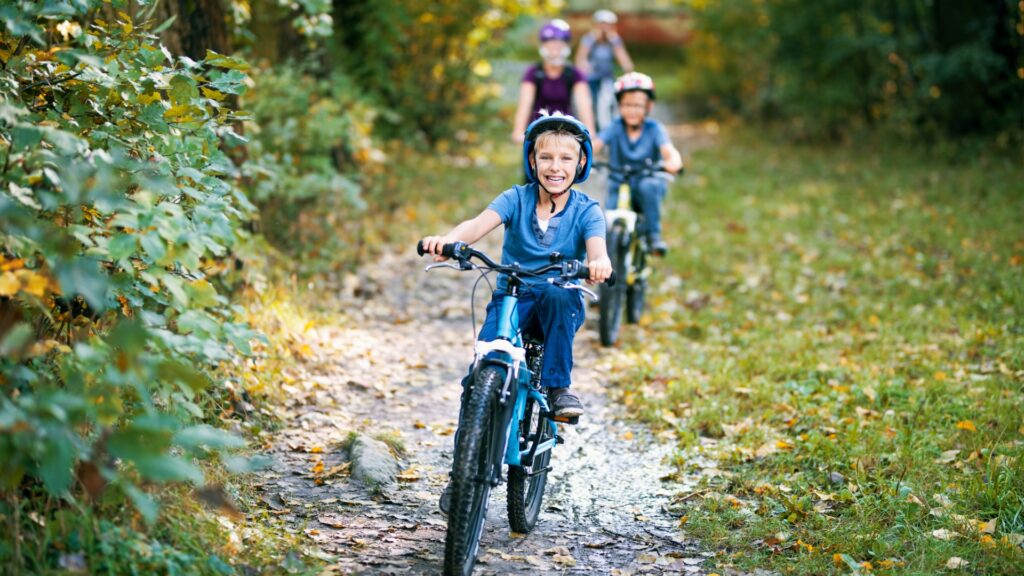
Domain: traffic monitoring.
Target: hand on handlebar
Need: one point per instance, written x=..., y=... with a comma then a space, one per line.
x=600, y=270
x=433, y=245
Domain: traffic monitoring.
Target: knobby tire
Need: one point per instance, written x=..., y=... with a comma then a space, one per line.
x=610, y=302
x=636, y=292
x=471, y=474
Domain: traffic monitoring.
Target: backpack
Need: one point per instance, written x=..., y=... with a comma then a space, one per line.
x=568, y=76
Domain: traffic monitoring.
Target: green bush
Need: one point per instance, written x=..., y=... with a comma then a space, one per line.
x=116, y=197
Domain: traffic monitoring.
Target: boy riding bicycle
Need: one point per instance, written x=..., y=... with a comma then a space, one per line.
x=543, y=217
x=636, y=141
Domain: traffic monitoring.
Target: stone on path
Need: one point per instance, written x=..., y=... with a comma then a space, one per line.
x=373, y=464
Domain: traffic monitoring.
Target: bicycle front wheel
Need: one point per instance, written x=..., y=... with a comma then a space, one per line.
x=636, y=292
x=610, y=302
x=526, y=483
x=472, y=471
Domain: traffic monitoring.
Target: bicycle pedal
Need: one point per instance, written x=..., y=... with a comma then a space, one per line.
x=571, y=420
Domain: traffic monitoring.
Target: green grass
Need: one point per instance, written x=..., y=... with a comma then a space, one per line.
x=847, y=318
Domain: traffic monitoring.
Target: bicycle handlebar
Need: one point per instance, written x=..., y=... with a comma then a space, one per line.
x=655, y=169
x=570, y=269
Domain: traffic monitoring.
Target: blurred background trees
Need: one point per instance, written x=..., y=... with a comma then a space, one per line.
x=924, y=68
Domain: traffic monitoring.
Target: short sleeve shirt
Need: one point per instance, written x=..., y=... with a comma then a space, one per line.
x=601, y=56
x=622, y=151
x=553, y=94
x=567, y=233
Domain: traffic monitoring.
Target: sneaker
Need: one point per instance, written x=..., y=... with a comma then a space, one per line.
x=446, y=499
x=565, y=402
x=658, y=246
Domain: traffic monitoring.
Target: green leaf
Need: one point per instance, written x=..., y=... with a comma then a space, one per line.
x=167, y=468
x=154, y=246
x=143, y=503
x=122, y=246
x=202, y=294
x=56, y=462
x=173, y=370
x=206, y=435
x=84, y=276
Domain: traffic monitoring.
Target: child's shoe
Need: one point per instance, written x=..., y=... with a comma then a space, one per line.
x=564, y=402
x=657, y=246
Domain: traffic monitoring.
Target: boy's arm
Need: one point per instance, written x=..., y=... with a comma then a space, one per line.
x=469, y=232
x=597, y=260
x=673, y=160
x=527, y=94
x=584, y=105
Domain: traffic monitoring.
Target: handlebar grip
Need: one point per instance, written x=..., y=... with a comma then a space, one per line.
x=584, y=273
x=447, y=250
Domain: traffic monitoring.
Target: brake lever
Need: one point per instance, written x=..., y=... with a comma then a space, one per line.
x=441, y=265
x=583, y=289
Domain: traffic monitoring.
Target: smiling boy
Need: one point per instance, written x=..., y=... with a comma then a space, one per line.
x=540, y=218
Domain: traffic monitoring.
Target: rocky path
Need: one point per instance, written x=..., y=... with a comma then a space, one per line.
x=391, y=370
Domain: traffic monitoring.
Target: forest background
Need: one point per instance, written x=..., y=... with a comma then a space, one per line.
x=174, y=172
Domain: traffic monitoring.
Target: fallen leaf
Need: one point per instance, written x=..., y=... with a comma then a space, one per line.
x=956, y=563
x=943, y=534
x=990, y=526
x=947, y=457
x=410, y=474
x=332, y=521
x=966, y=425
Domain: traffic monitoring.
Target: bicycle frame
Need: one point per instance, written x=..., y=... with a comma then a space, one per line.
x=507, y=351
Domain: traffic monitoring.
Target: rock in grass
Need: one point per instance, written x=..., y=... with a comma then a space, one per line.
x=373, y=464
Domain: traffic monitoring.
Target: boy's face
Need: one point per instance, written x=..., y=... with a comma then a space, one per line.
x=555, y=160
x=634, y=107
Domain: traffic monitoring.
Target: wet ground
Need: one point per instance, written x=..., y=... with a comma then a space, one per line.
x=393, y=367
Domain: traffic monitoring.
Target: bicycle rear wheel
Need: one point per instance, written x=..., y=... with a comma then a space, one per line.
x=610, y=301
x=526, y=483
x=472, y=471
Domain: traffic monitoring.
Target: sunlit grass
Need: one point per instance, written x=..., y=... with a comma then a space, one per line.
x=847, y=319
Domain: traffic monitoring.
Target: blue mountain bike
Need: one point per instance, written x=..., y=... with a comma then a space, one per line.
x=504, y=417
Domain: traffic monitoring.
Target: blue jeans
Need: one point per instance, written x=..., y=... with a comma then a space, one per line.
x=647, y=196
x=553, y=313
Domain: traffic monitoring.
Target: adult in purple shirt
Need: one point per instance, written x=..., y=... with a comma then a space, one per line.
x=553, y=85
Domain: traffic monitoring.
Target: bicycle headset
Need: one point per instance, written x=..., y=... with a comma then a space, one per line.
x=557, y=121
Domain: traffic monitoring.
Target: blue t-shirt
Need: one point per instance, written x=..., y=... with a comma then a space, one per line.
x=635, y=153
x=567, y=231
x=601, y=56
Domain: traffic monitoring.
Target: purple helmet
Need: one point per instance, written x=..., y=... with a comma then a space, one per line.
x=557, y=29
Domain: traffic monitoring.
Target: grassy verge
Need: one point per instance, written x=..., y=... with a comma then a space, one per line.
x=842, y=332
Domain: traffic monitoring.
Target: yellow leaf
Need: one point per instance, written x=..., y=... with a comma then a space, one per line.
x=213, y=94
x=940, y=376
x=176, y=111
x=9, y=284
x=966, y=425
x=316, y=450
x=150, y=98
x=990, y=526
x=783, y=445
x=33, y=283
x=987, y=541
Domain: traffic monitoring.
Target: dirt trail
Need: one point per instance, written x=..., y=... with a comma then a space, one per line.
x=394, y=366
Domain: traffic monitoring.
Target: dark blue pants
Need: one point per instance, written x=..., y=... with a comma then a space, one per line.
x=647, y=196
x=555, y=314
